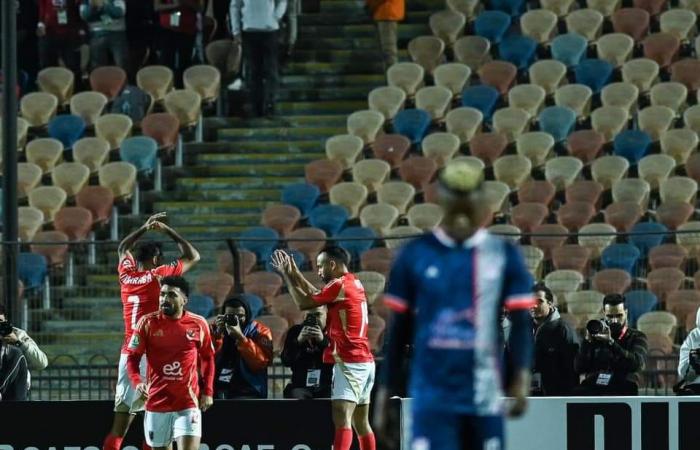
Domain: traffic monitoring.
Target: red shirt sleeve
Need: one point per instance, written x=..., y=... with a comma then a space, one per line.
x=136, y=349
x=206, y=358
x=173, y=269
x=329, y=293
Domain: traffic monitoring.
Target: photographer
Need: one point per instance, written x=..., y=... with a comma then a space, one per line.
x=14, y=376
x=303, y=353
x=13, y=336
x=612, y=355
x=689, y=361
x=243, y=352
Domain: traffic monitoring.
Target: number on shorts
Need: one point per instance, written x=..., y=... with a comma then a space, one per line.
x=134, y=310
x=365, y=319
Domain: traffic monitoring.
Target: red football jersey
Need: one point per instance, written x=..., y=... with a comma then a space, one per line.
x=347, y=321
x=173, y=347
x=141, y=291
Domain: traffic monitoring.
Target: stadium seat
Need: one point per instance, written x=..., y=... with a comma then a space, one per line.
x=418, y=171
x=203, y=79
x=664, y=281
x=571, y=257
x=528, y=97
x=690, y=5
x=692, y=167
x=662, y=48
x=225, y=55
x=539, y=25
x=399, y=236
x=511, y=122
x=594, y=73
x=32, y=270
x=474, y=51
x=623, y=215
x=351, y=195
x=685, y=71
x=596, y=237
x=655, y=169
x=185, y=105
x=563, y=283
x=499, y=74
x=157, y=81
x=533, y=260
x=678, y=189
x=609, y=169
x=615, y=48
x=365, y=124
x=584, y=304
x=88, y=106
x=247, y=261
x=528, y=216
x=670, y=94
x=412, y=123
x=377, y=260
x=373, y=282
x=371, y=173
x=323, y=174
x=314, y=239
x=447, y=25
x=639, y=302
x=488, y=146
x=427, y=51
x=452, y=76
x=678, y=22
x=472, y=161
x=647, y=235
x=108, y=80
x=547, y=73
x=329, y=218
x=54, y=253
x=425, y=216
x=622, y=94
x=45, y=153
x=217, y=285
x=120, y=177
x=674, y=214
x=482, y=98
x=536, y=146
x=610, y=121
x=98, y=200
x=266, y=285
x=66, y=128
x=512, y=170
x=641, y=72
x=509, y=232
x=679, y=143
x=655, y=120
x=71, y=177
x=689, y=238
x=586, y=191
x=48, y=199
x=435, y=100
x=301, y=195
x=163, y=127
x=518, y=50
x=585, y=145
x=657, y=323
x=620, y=256
x=406, y=76
x=387, y=100
x=631, y=21
x=356, y=240
x=496, y=193
x=200, y=304
x=278, y=327
x=91, y=152
x=691, y=118
x=391, y=148
x=38, y=108
x=632, y=190
x=463, y=122
x=548, y=237
x=576, y=97
x=30, y=220
x=467, y=7
x=558, y=121
x=611, y=281
x=284, y=306
x=380, y=217
x=281, y=218
x=263, y=241
x=57, y=81
x=668, y=255
x=397, y=193
x=74, y=221
x=536, y=191
x=575, y=215
x=28, y=178
x=585, y=22
x=569, y=48
x=141, y=151
x=492, y=25
x=562, y=171
x=113, y=128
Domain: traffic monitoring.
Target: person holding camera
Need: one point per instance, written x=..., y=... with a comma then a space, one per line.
x=14, y=375
x=303, y=353
x=13, y=336
x=689, y=361
x=243, y=352
x=613, y=355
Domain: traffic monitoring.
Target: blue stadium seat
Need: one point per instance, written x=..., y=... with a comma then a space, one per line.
x=645, y=242
x=569, y=48
x=559, y=121
x=329, y=218
x=141, y=151
x=262, y=248
x=632, y=145
x=620, y=256
x=518, y=50
x=357, y=247
x=492, y=25
x=256, y=304
x=594, y=73
x=639, y=302
x=201, y=304
x=412, y=123
x=481, y=97
x=67, y=128
x=32, y=269
x=302, y=195
x=514, y=8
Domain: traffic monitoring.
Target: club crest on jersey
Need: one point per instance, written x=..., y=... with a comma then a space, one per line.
x=134, y=342
x=191, y=334
x=158, y=333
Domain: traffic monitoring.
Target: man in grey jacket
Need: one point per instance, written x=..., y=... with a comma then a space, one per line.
x=36, y=359
x=106, y=19
x=255, y=23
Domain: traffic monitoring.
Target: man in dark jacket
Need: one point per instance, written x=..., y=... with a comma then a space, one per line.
x=13, y=374
x=613, y=355
x=556, y=346
x=303, y=353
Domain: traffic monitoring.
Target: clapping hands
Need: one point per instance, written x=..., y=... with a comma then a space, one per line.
x=282, y=262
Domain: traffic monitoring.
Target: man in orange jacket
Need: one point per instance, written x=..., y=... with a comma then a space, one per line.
x=387, y=14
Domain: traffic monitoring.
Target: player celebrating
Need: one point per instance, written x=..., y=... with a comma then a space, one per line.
x=447, y=290
x=349, y=350
x=174, y=341
x=139, y=275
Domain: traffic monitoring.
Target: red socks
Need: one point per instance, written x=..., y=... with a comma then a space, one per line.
x=145, y=446
x=343, y=439
x=367, y=442
x=112, y=442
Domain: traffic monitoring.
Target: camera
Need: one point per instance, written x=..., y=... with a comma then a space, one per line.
x=694, y=358
x=231, y=320
x=311, y=320
x=5, y=328
x=596, y=326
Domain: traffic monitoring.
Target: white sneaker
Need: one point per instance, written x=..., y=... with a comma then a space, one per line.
x=237, y=85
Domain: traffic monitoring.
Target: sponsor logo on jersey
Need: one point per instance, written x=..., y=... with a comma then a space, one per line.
x=173, y=369
x=192, y=334
x=135, y=341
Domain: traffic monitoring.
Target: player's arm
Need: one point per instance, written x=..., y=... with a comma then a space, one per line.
x=206, y=359
x=189, y=255
x=136, y=349
x=257, y=351
x=128, y=242
x=302, y=291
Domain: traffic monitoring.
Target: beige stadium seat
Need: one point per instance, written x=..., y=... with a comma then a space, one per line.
x=678, y=189
x=615, y=48
x=473, y=161
x=584, y=303
x=509, y=232
x=380, y=217
x=679, y=22
x=30, y=221
x=670, y=94
x=496, y=193
x=474, y=51
x=440, y=146
x=406, y=76
x=22, y=130
x=576, y=97
x=28, y=178
x=690, y=5
x=345, y=149
x=559, y=7
x=45, y=153
x=428, y=51
x=606, y=170
x=38, y=108
x=157, y=81
x=435, y=100
x=528, y=97
x=657, y=322
x=373, y=282
x=88, y=105
x=372, y=173
x=564, y=282
x=562, y=171
x=512, y=170
x=71, y=177
x=452, y=76
x=533, y=260
x=624, y=95
x=609, y=121
x=119, y=177
x=539, y=24
x=464, y=123
x=185, y=105
x=447, y=25
x=404, y=231
x=691, y=118
x=113, y=128
x=397, y=193
x=586, y=22
x=350, y=195
x=679, y=143
x=655, y=120
x=203, y=79
x=605, y=7
x=548, y=74
x=388, y=100
x=92, y=152
x=631, y=190
x=596, y=237
x=642, y=72
x=49, y=199
x=536, y=146
x=425, y=216
x=365, y=124
x=511, y=122
x=467, y=7
x=654, y=169
x=57, y=81
x=690, y=241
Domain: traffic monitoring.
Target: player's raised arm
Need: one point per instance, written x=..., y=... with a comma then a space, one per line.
x=207, y=361
x=301, y=290
x=128, y=242
x=189, y=255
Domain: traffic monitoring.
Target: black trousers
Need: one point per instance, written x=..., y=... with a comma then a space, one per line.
x=175, y=51
x=260, y=57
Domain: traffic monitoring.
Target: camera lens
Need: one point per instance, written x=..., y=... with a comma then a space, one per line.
x=595, y=326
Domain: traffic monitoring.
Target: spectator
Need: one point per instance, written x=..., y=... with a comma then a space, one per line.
x=291, y=30
x=612, y=355
x=139, y=34
x=107, y=27
x=27, y=44
x=178, y=22
x=255, y=23
x=244, y=351
x=61, y=33
x=387, y=14
x=303, y=353
x=35, y=358
x=556, y=346
x=689, y=361
x=14, y=376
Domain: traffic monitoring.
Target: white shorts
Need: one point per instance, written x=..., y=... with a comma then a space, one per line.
x=126, y=399
x=162, y=428
x=353, y=382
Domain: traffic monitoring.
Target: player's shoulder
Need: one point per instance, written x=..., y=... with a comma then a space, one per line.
x=196, y=318
x=417, y=245
x=148, y=319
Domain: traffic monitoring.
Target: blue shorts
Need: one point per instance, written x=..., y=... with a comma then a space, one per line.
x=449, y=431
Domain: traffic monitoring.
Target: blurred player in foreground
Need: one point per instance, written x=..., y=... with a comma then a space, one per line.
x=174, y=341
x=447, y=290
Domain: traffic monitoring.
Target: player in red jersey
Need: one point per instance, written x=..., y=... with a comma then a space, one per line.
x=346, y=327
x=140, y=270
x=175, y=342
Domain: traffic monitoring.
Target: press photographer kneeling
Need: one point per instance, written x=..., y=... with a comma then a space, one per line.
x=613, y=355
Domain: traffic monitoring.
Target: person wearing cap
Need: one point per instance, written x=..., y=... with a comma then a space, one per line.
x=447, y=290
